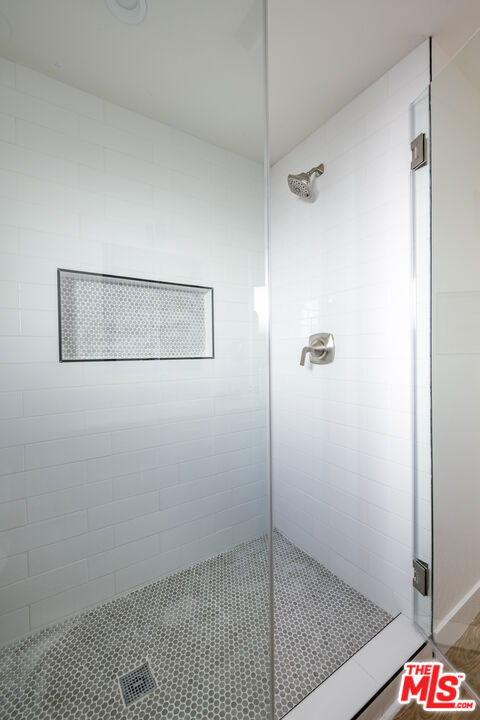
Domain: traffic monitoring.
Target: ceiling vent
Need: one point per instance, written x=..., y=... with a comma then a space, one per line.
x=129, y=11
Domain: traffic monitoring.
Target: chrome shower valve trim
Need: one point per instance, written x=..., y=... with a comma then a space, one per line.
x=321, y=349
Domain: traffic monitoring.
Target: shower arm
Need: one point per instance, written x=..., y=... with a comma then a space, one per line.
x=318, y=170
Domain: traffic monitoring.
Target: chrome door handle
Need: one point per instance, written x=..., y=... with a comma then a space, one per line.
x=321, y=349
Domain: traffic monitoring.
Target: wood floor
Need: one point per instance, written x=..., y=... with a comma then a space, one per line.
x=465, y=657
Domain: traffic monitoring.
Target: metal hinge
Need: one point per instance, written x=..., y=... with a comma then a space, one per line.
x=419, y=151
x=421, y=576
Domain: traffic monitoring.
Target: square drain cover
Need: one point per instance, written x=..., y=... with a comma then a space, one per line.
x=137, y=683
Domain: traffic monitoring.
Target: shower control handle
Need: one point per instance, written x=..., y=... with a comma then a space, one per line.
x=321, y=349
x=313, y=352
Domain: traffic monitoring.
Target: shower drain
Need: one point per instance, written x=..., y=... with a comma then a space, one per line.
x=137, y=683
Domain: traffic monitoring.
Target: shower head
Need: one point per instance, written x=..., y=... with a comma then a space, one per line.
x=300, y=184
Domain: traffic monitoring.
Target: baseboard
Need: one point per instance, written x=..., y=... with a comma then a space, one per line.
x=450, y=628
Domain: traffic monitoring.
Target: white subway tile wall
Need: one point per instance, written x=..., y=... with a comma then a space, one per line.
x=342, y=444
x=112, y=474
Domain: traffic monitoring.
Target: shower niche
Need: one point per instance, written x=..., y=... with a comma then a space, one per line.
x=111, y=317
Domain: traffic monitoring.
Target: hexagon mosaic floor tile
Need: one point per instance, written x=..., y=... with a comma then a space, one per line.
x=204, y=633
x=320, y=622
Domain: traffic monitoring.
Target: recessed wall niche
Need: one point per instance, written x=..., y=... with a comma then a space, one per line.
x=110, y=317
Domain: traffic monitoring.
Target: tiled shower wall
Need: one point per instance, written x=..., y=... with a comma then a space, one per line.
x=342, y=445
x=115, y=473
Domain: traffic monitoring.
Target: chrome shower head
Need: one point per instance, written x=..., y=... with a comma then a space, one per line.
x=300, y=184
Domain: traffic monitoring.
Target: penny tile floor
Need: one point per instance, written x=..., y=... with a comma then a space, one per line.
x=204, y=633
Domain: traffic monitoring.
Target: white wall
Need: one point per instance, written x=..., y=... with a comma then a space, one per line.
x=342, y=446
x=112, y=474
x=455, y=35
x=455, y=344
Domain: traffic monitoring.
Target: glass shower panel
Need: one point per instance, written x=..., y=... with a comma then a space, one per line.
x=134, y=466
x=455, y=107
x=421, y=202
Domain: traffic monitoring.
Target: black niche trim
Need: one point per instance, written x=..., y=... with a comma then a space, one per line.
x=135, y=279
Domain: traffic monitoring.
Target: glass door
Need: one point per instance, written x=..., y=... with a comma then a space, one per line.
x=421, y=259
x=453, y=595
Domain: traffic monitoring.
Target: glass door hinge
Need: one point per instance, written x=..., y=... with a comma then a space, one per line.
x=419, y=151
x=421, y=575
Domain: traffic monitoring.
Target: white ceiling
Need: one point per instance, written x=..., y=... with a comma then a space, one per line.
x=193, y=64
x=325, y=52
x=196, y=64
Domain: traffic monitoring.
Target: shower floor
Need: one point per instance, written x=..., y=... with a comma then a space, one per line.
x=204, y=632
